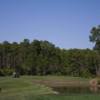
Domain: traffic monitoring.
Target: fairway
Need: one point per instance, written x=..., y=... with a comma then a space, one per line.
x=39, y=88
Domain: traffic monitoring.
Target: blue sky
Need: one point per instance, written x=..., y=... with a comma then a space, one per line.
x=66, y=23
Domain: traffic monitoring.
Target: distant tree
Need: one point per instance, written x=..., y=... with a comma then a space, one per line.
x=24, y=51
x=95, y=38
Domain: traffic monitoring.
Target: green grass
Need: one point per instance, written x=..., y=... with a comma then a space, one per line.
x=38, y=88
x=21, y=88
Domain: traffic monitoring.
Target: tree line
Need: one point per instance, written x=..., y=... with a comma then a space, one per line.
x=44, y=58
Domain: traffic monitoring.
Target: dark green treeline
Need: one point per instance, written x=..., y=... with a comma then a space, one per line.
x=43, y=58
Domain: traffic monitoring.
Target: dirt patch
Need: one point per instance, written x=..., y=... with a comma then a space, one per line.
x=53, y=83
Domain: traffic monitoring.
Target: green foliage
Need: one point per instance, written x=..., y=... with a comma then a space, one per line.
x=95, y=37
x=43, y=58
x=6, y=71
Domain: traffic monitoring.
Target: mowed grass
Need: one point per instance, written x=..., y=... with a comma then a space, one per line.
x=38, y=88
x=20, y=88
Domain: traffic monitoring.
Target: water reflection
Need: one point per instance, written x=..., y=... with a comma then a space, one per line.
x=74, y=90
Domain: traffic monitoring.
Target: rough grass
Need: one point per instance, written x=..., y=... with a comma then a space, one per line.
x=38, y=88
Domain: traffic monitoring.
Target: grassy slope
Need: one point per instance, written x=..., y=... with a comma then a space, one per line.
x=32, y=88
x=20, y=88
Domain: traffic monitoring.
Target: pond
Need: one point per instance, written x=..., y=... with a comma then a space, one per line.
x=74, y=90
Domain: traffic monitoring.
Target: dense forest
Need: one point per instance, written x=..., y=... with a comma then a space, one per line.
x=44, y=58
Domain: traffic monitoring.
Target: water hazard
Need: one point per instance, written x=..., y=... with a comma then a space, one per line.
x=74, y=90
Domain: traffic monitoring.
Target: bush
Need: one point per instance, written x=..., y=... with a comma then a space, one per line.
x=6, y=71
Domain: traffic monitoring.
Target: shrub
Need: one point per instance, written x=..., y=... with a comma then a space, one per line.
x=6, y=71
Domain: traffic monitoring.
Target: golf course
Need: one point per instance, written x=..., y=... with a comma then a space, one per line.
x=49, y=49
x=42, y=88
